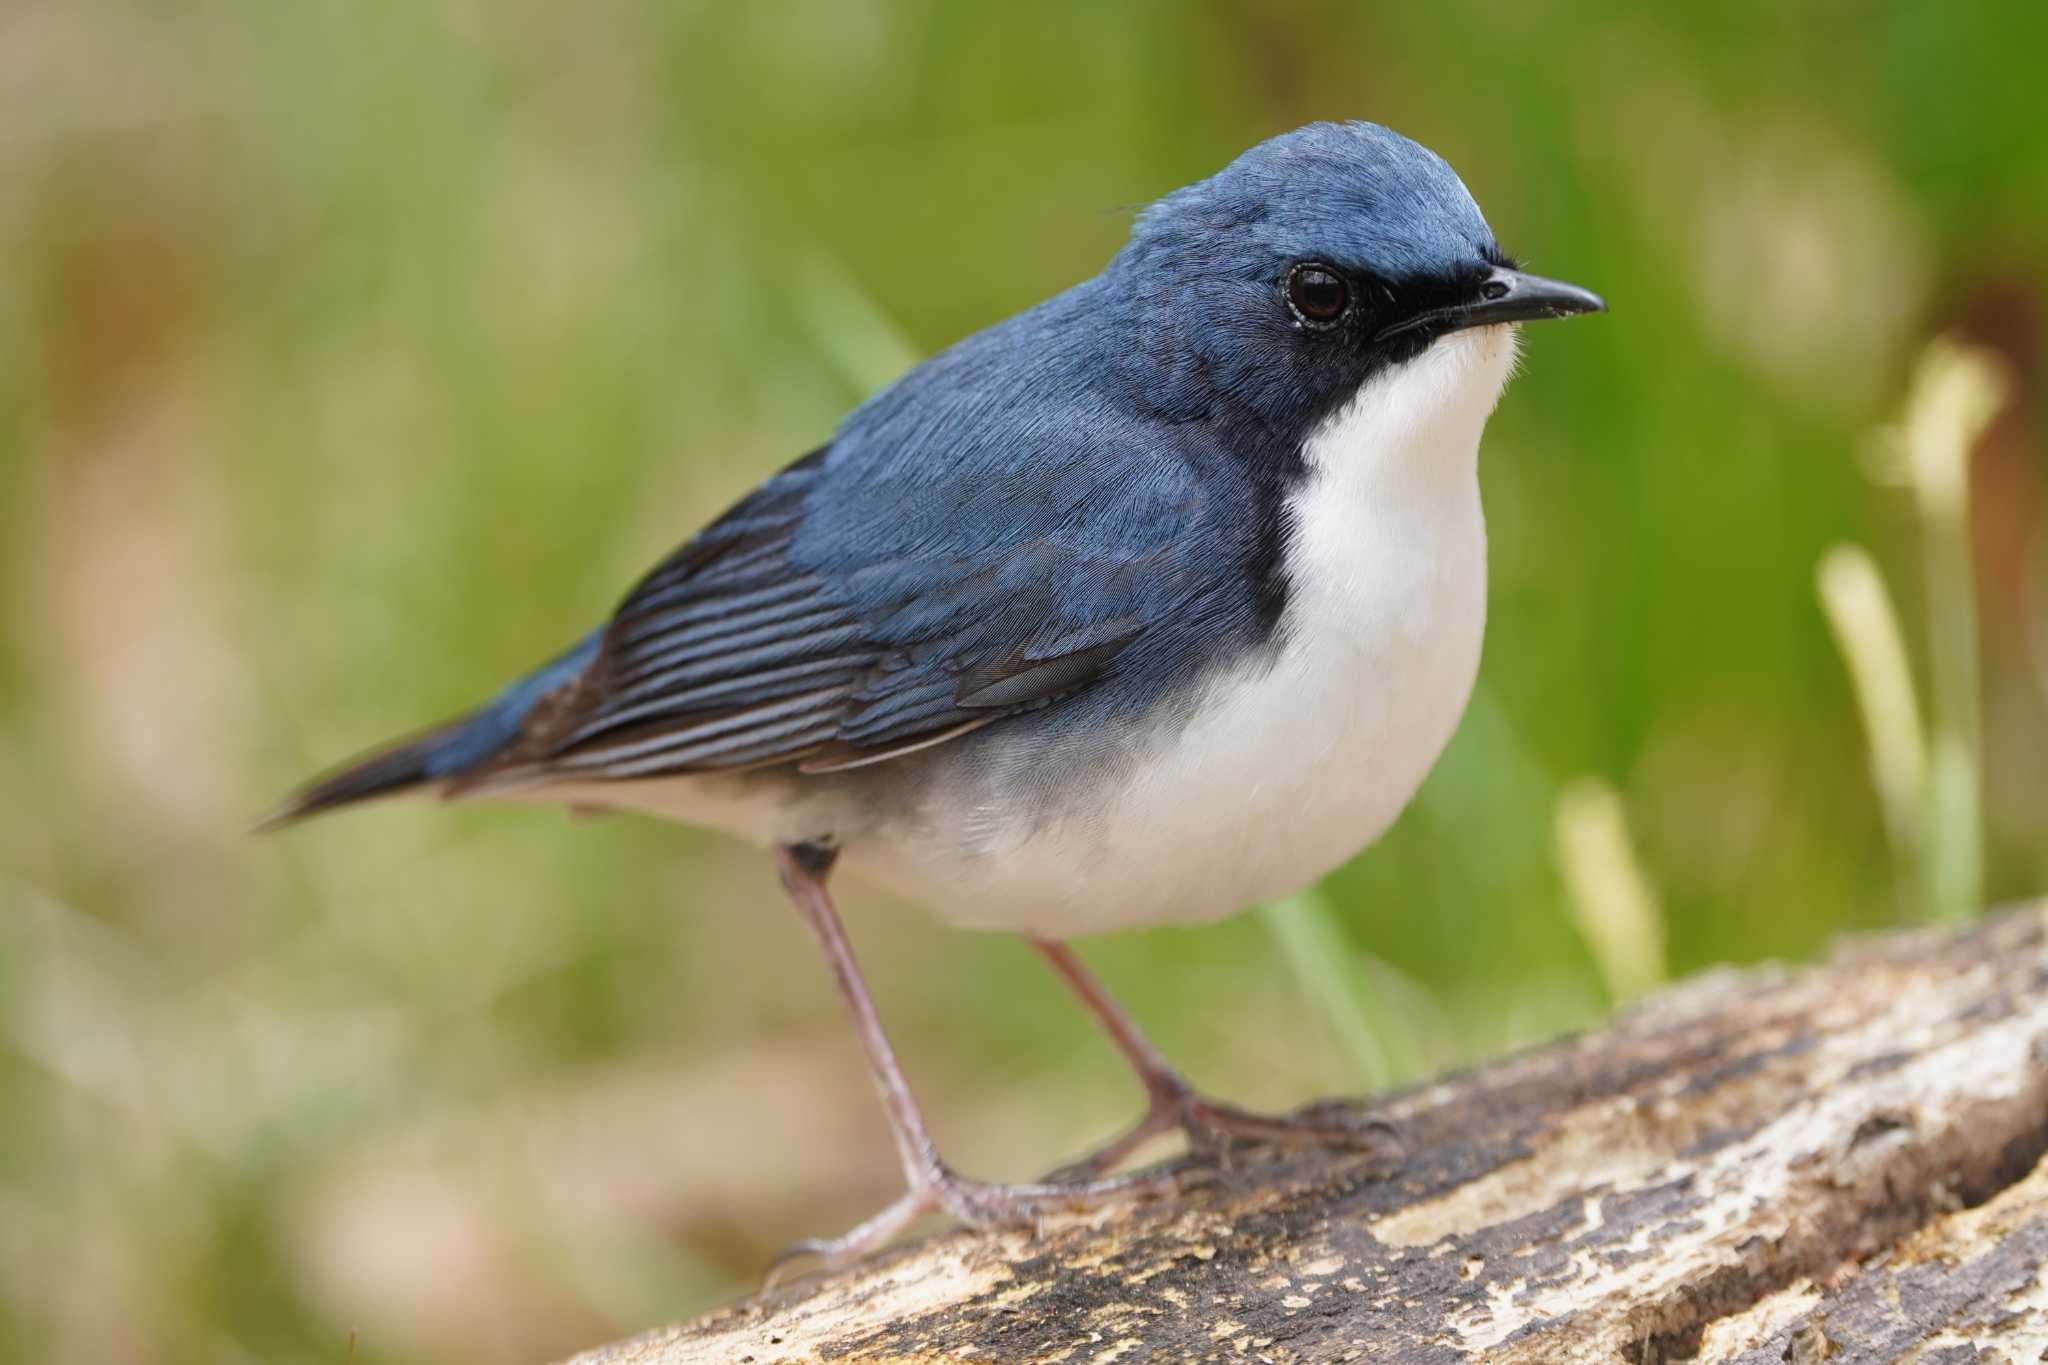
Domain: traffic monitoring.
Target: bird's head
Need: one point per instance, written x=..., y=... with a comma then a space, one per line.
x=1314, y=262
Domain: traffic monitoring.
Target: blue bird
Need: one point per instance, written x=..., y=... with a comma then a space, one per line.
x=1154, y=601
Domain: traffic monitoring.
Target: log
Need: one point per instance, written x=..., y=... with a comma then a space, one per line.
x=1838, y=1164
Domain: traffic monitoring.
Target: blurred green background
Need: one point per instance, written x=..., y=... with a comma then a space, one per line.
x=355, y=356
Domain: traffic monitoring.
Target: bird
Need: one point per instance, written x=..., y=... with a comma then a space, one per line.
x=1152, y=602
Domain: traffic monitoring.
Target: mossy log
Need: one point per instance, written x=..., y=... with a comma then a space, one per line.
x=1838, y=1164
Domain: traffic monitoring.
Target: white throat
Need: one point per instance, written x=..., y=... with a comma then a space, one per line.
x=1411, y=433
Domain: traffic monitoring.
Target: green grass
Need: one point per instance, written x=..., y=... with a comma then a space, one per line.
x=356, y=356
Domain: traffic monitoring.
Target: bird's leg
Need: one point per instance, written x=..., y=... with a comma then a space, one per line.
x=1211, y=1127
x=933, y=1186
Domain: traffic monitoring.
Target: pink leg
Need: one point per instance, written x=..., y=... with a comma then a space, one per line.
x=1172, y=1103
x=933, y=1186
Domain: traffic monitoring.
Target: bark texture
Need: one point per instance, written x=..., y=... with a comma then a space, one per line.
x=1837, y=1164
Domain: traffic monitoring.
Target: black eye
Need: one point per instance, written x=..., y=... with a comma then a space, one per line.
x=1317, y=294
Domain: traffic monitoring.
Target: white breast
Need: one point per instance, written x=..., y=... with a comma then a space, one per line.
x=1291, y=766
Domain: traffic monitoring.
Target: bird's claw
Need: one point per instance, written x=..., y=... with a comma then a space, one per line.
x=973, y=1203
x=1218, y=1131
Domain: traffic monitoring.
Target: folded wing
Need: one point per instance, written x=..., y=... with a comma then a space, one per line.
x=840, y=617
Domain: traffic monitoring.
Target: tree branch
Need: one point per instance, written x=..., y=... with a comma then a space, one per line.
x=1764, y=1166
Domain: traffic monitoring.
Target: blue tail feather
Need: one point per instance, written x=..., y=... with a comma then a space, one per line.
x=446, y=751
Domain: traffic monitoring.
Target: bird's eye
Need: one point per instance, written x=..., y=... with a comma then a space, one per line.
x=1317, y=294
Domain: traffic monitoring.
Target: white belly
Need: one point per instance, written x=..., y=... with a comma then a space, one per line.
x=1290, y=766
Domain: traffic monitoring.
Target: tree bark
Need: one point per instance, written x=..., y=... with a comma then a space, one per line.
x=1837, y=1164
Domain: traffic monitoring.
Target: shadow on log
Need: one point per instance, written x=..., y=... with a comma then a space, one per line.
x=1836, y=1164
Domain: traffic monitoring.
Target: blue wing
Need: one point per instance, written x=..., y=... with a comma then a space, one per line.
x=1026, y=518
x=1031, y=516
x=855, y=609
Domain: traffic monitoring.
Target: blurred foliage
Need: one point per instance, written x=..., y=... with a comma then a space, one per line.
x=356, y=356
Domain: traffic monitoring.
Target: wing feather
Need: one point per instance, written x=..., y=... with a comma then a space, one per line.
x=751, y=646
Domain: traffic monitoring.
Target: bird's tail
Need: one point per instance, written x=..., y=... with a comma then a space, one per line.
x=447, y=751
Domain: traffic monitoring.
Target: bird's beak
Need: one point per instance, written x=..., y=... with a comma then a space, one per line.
x=1513, y=296
x=1504, y=295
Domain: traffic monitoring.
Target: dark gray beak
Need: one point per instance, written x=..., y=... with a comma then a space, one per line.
x=1503, y=295
x=1512, y=296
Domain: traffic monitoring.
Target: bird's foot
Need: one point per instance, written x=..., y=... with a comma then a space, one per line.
x=975, y=1203
x=1214, y=1128
x=1216, y=1131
